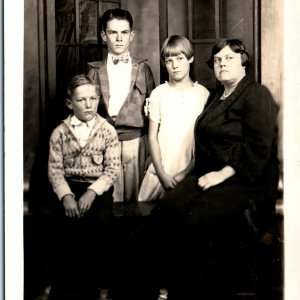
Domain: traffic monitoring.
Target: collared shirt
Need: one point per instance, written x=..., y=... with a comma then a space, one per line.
x=131, y=120
x=119, y=76
x=82, y=129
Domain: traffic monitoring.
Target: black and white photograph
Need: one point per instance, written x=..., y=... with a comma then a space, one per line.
x=151, y=150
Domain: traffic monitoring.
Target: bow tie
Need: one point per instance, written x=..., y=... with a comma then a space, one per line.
x=122, y=59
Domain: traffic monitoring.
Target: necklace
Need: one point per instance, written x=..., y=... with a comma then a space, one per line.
x=228, y=92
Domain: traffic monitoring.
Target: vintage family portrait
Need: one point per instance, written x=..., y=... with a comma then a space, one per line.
x=159, y=151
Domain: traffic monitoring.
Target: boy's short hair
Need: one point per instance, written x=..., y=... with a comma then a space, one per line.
x=235, y=45
x=175, y=45
x=116, y=13
x=79, y=80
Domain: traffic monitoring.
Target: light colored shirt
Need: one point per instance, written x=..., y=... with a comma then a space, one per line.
x=119, y=77
x=82, y=129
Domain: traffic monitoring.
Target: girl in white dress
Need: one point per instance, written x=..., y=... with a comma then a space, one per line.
x=172, y=110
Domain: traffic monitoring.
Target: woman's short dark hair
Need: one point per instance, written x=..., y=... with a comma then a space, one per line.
x=116, y=13
x=79, y=80
x=235, y=45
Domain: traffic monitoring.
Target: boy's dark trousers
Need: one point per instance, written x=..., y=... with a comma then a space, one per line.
x=79, y=260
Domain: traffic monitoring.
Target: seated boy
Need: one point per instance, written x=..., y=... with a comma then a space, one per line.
x=84, y=162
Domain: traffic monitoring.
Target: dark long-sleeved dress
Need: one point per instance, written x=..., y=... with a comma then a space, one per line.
x=194, y=228
x=240, y=131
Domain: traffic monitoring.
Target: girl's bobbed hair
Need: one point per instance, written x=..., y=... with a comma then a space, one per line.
x=235, y=45
x=175, y=45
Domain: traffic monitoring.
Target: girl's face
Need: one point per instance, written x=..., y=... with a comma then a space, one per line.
x=178, y=67
x=228, y=66
x=84, y=102
x=118, y=36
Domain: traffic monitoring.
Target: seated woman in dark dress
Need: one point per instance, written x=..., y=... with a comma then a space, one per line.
x=236, y=162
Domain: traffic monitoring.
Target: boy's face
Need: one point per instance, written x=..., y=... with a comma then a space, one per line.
x=118, y=36
x=84, y=102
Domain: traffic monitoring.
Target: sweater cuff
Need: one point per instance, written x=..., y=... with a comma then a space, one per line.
x=100, y=186
x=63, y=190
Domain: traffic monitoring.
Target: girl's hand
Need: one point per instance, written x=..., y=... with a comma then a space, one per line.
x=70, y=206
x=85, y=201
x=168, y=182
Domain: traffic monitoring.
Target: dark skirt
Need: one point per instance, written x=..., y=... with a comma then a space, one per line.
x=218, y=209
x=194, y=232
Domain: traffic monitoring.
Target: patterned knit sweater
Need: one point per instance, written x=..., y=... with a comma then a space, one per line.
x=98, y=162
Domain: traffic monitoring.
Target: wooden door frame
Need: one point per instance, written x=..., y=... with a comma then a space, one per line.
x=163, y=30
x=47, y=54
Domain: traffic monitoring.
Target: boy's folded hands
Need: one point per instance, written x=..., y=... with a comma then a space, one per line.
x=77, y=210
x=85, y=201
x=70, y=205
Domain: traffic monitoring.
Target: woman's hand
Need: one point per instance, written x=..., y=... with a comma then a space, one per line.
x=209, y=180
x=85, y=201
x=70, y=206
x=216, y=177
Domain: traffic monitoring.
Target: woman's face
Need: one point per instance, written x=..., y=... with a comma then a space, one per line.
x=228, y=66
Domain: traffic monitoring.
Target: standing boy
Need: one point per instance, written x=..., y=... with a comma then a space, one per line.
x=84, y=162
x=125, y=82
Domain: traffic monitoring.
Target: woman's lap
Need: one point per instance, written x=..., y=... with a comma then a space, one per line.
x=218, y=209
x=223, y=199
